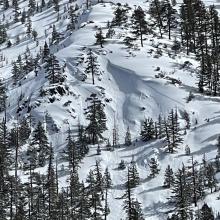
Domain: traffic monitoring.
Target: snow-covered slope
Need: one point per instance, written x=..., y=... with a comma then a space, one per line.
x=128, y=81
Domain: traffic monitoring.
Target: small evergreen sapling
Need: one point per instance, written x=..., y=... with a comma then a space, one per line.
x=154, y=167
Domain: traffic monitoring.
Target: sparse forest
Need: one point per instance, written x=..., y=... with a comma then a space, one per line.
x=109, y=110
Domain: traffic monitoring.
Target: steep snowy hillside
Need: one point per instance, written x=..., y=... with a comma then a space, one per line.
x=47, y=61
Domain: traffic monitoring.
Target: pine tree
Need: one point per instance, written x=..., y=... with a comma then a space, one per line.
x=115, y=136
x=109, y=146
x=187, y=150
x=5, y=4
x=128, y=137
x=156, y=12
x=210, y=177
x=53, y=69
x=94, y=197
x=121, y=165
x=46, y=52
x=99, y=180
x=56, y=5
x=72, y=153
x=32, y=6
x=21, y=212
x=148, y=130
x=98, y=149
x=34, y=35
x=110, y=33
x=29, y=27
x=173, y=131
x=218, y=147
x=160, y=128
x=154, y=167
x=187, y=119
x=43, y=4
x=63, y=204
x=131, y=206
x=3, y=34
x=40, y=141
x=100, y=39
x=107, y=186
x=83, y=207
x=168, y=177
x=9, y=44
x=169, y=15
x=97, y=119
x=81, y=141
x=72, y=18
x=3, y=97
x=23, y=16
x=197, y=186
x=28, y=65
x=15, y=10
x=38, y=183
x=138, y=213
x=133, y=175
x=24, y=131
x=56, y=36
x=120, y=16
x=206, y=213
x=181, y=197
x=139, y=24
x=92, y=65
x=5, y=163
x=32, y=156
x=217, y=164
x=51, y=188
x=75, y=188
x=17, y=71
x=107, y=179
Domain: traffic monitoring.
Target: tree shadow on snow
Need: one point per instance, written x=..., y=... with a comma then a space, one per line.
x=158, y=188
x=161, y=209
x=204, y=150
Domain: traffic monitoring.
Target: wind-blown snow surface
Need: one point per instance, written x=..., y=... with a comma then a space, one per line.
x=128, y=80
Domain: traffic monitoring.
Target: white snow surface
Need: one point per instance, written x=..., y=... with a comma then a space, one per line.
x=128, y=79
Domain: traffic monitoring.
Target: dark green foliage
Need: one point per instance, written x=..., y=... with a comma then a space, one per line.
x=72, y=18
x=134, y=178
x=128, y=137
x=100, y=39
x=139, y=24
x=211, y=181
x=3, y=34
x=46, y=52
x=72, y=153
x=3, y=96
x=181, y=197
x=32, y=6
x=120, y=16
x=53, y=69
x=218, y=147
x=40, y=146
x=92, y=65
x=205, y=213
x=97, y=119
x=168, y=177
x=51, y=188
x=173, y=135
x=94, y=195
x=24, y=131
x=121, y=165
x=148, y=130
x=154, y=167
x=56, y=36
x=131, y=206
